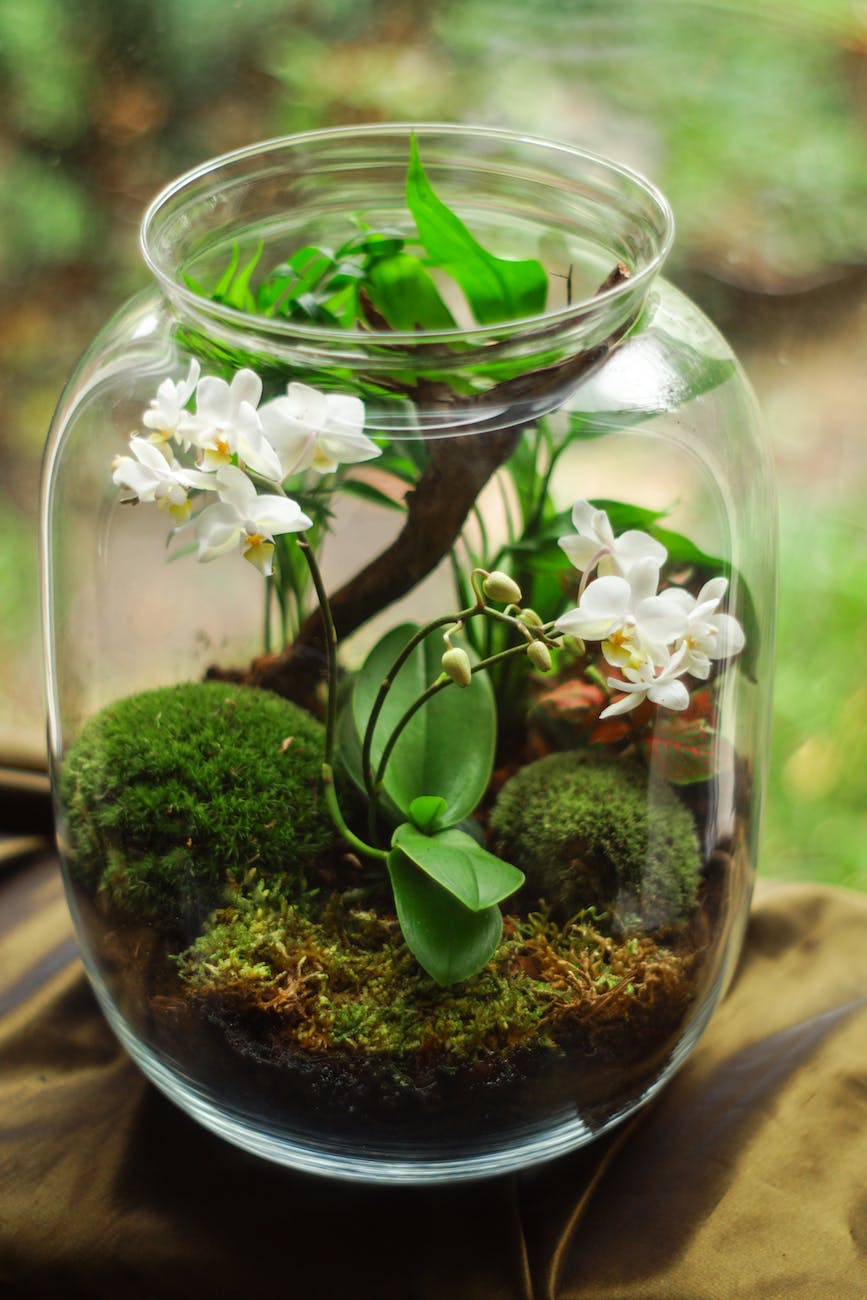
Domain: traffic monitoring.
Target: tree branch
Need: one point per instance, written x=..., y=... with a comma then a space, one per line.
x=437, y=508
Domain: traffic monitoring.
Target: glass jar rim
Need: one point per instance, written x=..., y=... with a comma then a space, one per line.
x=638, y=278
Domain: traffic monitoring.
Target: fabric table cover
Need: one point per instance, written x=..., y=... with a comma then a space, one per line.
x=746, y=1177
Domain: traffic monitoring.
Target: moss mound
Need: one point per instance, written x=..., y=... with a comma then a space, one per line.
x=589, y=831
x=167, y=792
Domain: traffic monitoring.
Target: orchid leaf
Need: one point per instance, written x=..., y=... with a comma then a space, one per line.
x=425, y=810
x=477, y=878
x=447, y=749
x=448, y=940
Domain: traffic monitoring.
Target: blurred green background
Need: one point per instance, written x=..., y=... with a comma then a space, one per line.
x=752, y=119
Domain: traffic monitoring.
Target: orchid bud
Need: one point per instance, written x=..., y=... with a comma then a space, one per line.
x=456, y=664
x=574, y=645
x=539, y=656
x=499, y=586
x=530, y=618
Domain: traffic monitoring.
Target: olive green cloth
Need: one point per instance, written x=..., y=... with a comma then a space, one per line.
x=745, y=1179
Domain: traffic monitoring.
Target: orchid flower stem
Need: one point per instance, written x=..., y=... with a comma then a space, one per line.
x=337, y=817
x=388, y=682
x=330, y=643
x=440, y=684
x=585, y=576
x=592, y=673
x=267, y=634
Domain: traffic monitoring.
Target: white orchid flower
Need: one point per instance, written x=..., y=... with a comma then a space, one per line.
x=632, y=622
x=596, y=545
x=646, y=683
x=166, y=414
x=708, y=635
x=226, y=424
x=152, y=474
x=244, y=515
x=318, y=431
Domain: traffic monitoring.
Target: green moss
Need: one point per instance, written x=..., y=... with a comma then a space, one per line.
x=342, y=982
x=594, y=831
x=346, y=979
x=166, y=792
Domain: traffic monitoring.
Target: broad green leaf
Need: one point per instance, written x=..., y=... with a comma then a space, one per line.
x=680, y=549
x=496, y=288
x=448, y=940
x=426, y=809
x=448, y=747
x=454, y=860
x=406, y=295
x=348, y=758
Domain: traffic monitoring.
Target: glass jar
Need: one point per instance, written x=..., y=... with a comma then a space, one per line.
x=408, y=799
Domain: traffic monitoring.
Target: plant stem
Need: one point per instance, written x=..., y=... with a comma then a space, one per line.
x=388, y=682
x=337, y=817
x=440, y=684
x=330, y=643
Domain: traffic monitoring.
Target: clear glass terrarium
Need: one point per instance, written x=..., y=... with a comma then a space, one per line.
x=408, y=604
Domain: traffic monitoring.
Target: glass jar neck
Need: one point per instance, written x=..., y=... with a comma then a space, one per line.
x=601, y=232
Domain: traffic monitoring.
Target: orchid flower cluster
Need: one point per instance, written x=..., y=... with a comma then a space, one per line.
x=653, y=637
x=226, y=444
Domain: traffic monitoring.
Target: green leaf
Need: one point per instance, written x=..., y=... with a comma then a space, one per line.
x=226, y=278
x=426, y=809
x=448, y=747
x=238, y=294
x=296, y=282
x=496, y=288
x=680, y=549
x=357, y=487
x=686, y=748
x=406, y=295
x=447, y=939
x=372, y=244
x=454, y=860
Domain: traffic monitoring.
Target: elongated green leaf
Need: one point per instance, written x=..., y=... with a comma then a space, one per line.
x=448, y=940
x=454, y=860
x=406, y=295
x=238, y=294
x=222, y=286
x=496, y=288
x=357, y=487
x=448, y=747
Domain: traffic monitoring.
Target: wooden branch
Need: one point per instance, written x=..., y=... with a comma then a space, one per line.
x=437, y=508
